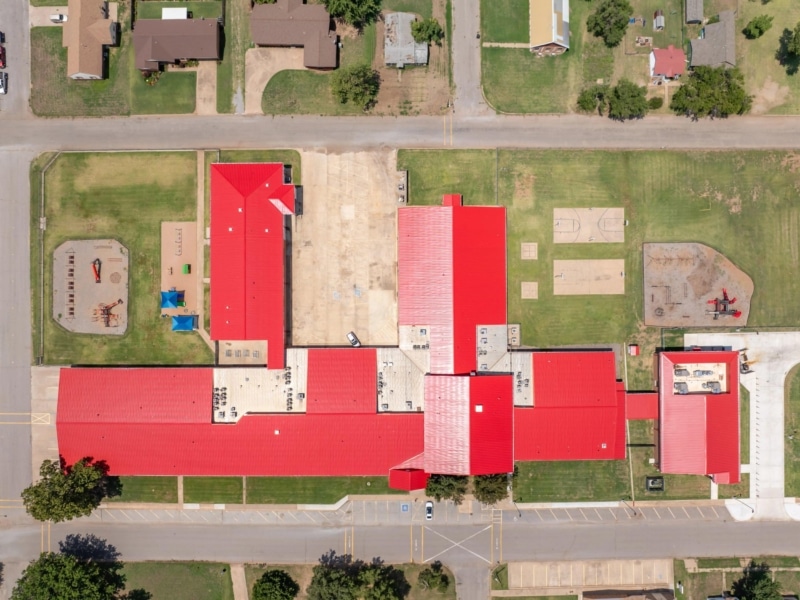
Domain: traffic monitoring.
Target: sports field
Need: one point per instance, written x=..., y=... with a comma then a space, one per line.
x=740, y=203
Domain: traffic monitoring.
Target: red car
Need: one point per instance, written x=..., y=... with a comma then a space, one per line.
x=2, y=57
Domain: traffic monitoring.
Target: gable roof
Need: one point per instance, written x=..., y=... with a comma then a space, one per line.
x=248, y=204
x=293, y=23
x=549, y=23
x=399, y=46
x=165, y=41
x=694, y=11
x=668, y=62
x=451, y=274
x=578, y=412
x=718, y=47
x=84, y=34
x=468, y=424
x=157, y=421
x=699, y=432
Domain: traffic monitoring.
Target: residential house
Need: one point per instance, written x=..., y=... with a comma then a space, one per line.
x=157, y=42
x=291, y=23
x=86, y=35
x=667, y=63
x=717, y=47
x=549, y=27
x=694, y=11
x=399, y=47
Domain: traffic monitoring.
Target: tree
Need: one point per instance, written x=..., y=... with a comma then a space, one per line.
x=610, y=21
x=447, y=487
x=427, y=31
x=490, y=489
x=627, y=101
x=712, y=92
x=757, y=583
x=339, y=577
x=758, y=26
x=275, y=585
x=357, y=13
x=594, y=98
x=793, y=46
x=433, y=578
x=655, y=103
x=64, y=493
x=66, y=577
x=358, y=84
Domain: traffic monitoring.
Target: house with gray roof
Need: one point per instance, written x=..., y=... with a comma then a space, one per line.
x=399, y=47
x=694, y=11
x=717, y=47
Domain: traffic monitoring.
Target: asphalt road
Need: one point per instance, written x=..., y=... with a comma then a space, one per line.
x=466, y=52
x=14, y=24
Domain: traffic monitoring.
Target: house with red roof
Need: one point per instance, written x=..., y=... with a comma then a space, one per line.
x=667, y=63
x=698, y=431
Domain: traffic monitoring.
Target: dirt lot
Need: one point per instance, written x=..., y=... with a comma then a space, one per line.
x=414, y=90
x=344, y=250
x=680, y=279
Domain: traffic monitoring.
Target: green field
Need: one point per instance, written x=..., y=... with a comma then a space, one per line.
x=212, y=490
x=174, y=93
x=147, y=489
x=423, y=8
x=792, y=433
x=312, y=490
x=124, y=196
x=505, y=21
x=308, y=92
x=572, y=481
x=516, y=81
x=180, y=580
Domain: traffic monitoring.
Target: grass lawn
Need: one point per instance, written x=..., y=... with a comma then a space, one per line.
x=792, y=433
x=719, y=563
x=124, y=196
x=500, y=577
x=147, y=489
x=422, y=8
x=433, y=173
x=225, y=72
x=53, y=94
x=212, y=490
x=48, y=2
x=308, y=92
x=776, y=86
x=699, y=585
x=312, y=490
x=505, y=21
x=174, y=93
x=302, y=574
x=744, y=424
x=180, y=580
x=210, y=9
x=516, y=81
x=572, y=481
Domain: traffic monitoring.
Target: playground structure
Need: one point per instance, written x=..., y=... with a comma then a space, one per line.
x=179, y=269
x=678, y=280
x=86, y=273
x=722, y=307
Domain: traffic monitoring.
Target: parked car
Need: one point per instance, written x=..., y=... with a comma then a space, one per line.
x=429, y=511
x=3, y=83
x=351, y=337
x=59, y=18
x=2, y=57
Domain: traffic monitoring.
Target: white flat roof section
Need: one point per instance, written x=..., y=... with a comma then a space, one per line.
x=174, y=14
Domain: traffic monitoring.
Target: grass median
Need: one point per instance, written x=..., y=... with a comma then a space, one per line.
x=212, y=490
x=147, y=489
x=312, y=490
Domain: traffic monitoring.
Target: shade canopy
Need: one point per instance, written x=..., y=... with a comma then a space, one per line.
x=169, y=299
x=183, y=323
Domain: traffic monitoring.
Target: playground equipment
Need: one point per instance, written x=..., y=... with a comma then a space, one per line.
x=96, y=264
x=103, y=313
x=722, y=307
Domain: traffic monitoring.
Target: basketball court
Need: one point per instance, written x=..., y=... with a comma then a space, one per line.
x=588, y=277
x=588, y=225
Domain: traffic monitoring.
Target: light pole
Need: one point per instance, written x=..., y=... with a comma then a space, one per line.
x=633, y=510
x=517, y=507
x=752, y=510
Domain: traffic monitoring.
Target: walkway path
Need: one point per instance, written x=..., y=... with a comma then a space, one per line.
x=240, y=591
x=505, y=45
x=774, y=353
x=201, y=247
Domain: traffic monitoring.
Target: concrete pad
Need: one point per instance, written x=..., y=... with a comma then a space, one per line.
x=44, y=399
x=588, y=225
x=260, y=64
x=344, y=250
x=588, y=277
x=530, y=290
x=530, y=250
x=570, y=577
x=39, y=16
x=206, y=91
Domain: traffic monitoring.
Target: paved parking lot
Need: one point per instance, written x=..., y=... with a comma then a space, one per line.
x=622, y=513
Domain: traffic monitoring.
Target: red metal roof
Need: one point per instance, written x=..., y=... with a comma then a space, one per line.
x=579, y=409
x=641, y=405
x=669, y=62
x=468, y=424
x=452, y=278
x=408, y=479
x=168, y=430
x=699, y=433
x=248, y=204
x=451, y=200
x=342, y=381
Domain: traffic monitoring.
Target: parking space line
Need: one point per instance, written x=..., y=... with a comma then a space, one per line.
x=702, y=516
x=613, y=516
x=716, y=514
x=672, y=513
x=597, y=512
x=658, y=514
x=155, y=514
x=686, y=512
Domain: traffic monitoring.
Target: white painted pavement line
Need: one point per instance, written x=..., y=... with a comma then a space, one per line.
x=716, y=514
x=597, y=512
x=584, y=514
x=613, y=515
x=670, y=512
x=155, y=514
x=686, y=512
x=140, y=514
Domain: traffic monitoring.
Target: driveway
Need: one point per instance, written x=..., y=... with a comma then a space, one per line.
x=259, y=67
x=466, y=49
x=39, y=16
x=206, y=94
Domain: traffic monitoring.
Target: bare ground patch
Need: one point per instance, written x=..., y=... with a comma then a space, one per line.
x=770, y=95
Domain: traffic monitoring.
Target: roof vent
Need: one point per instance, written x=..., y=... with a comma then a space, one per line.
x=479, y=408
x=277, y=432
